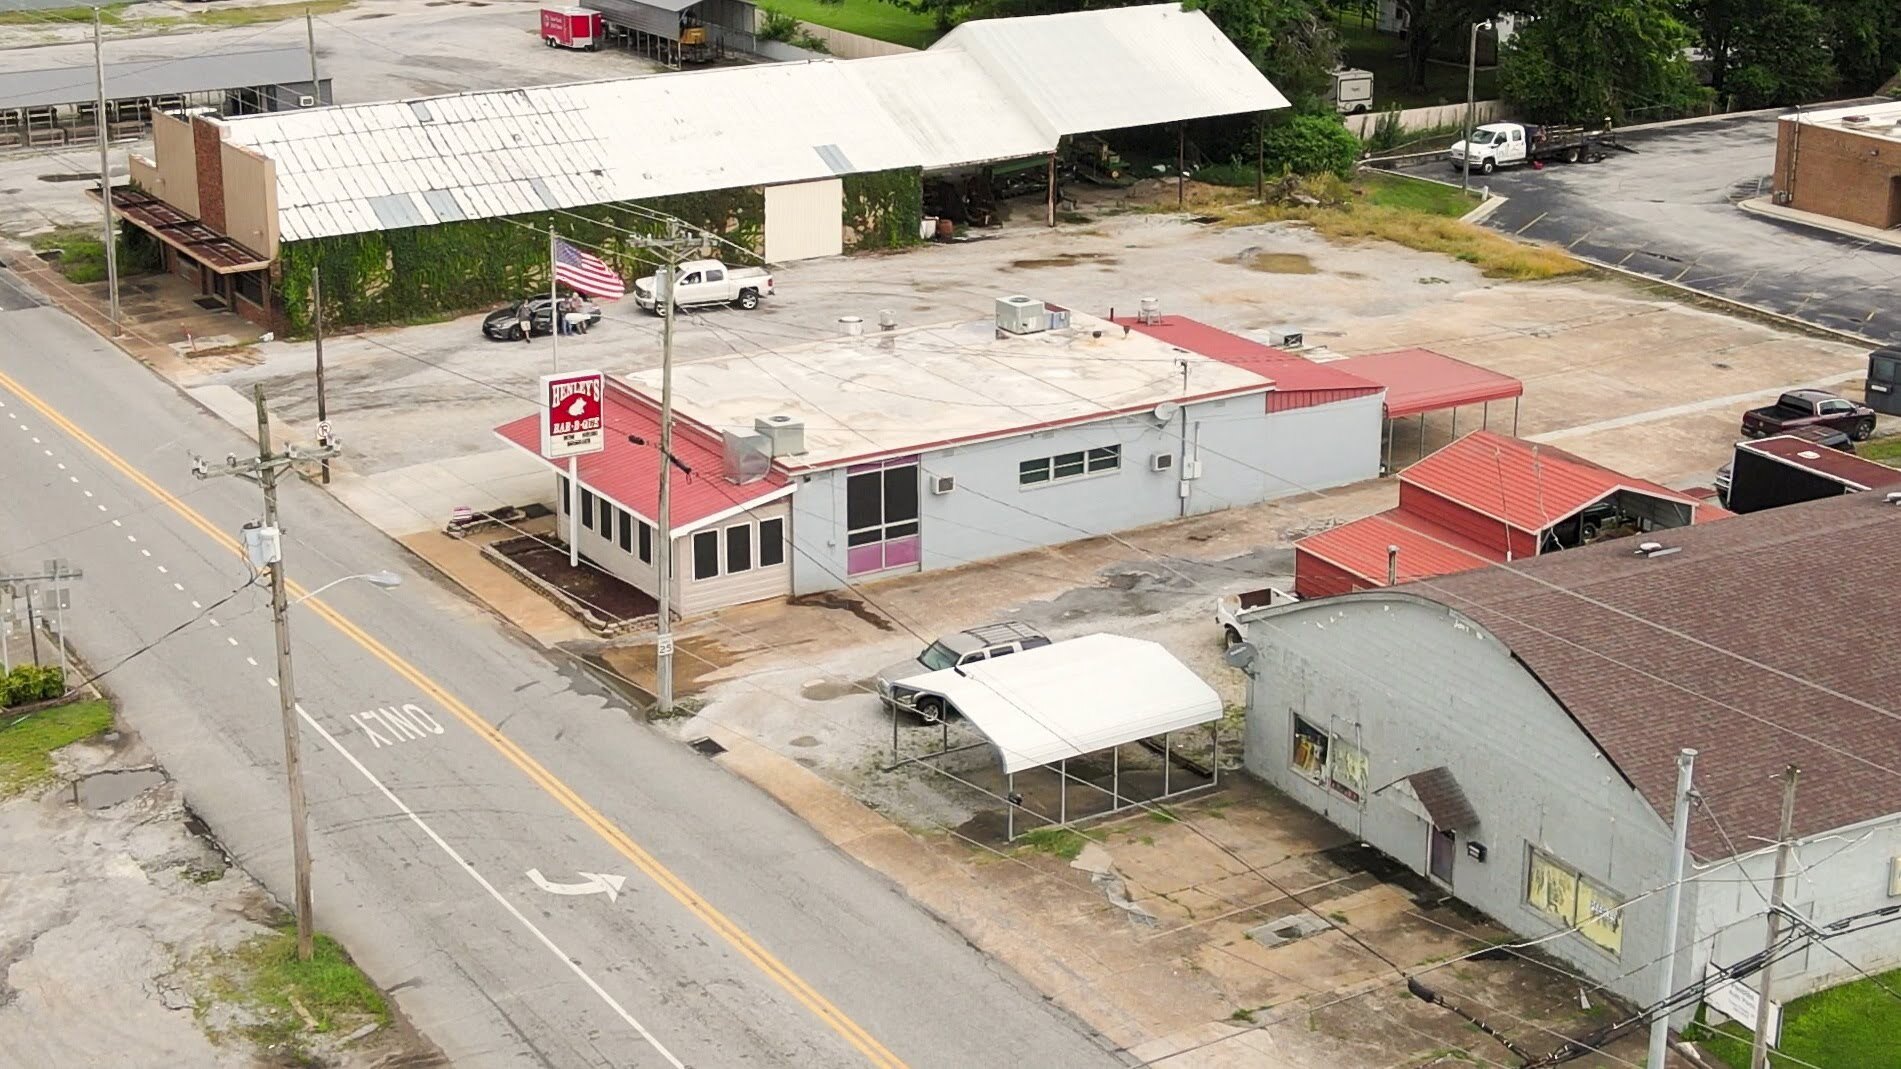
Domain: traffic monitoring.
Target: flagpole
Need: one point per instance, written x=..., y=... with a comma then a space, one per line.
x=554, y=306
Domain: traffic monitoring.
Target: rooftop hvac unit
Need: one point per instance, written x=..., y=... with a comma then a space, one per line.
x=1287, y=338
x=747, y=457
x=1021, y=315
x=784, y=435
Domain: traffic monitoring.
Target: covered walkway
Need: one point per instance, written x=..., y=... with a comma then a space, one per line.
x=1419, y=381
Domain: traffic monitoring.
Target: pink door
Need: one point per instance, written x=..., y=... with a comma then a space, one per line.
x=881, y=517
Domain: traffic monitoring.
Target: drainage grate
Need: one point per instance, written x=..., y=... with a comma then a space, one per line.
x=212, y=303
x=707, y=747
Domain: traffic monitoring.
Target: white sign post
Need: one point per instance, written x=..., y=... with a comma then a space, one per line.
x=1738, y=1001
x=573, y=422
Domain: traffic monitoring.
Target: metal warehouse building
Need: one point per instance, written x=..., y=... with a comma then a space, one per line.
x=1512, y=733
x=825, y=465
x=792, y=160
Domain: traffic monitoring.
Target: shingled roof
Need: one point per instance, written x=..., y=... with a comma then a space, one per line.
x=1760, y=641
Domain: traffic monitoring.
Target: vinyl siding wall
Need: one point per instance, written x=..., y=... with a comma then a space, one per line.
x=690, y=596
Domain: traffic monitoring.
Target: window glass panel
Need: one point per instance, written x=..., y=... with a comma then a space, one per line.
x=1033, y=471
x=1552, y=889
x=706, y=554
x=739, y=548
x=715, y=276
x=562, y=504
x=865, y=537
x=607, y=520
x=1600, y=916
x=1069, y=465
x=646, y=544
x=626, y=533
x=1346, y=769
x=900, y=494
x=1003, y=652
x=587, y=507
x=1106, y=458
x=1310, y=750
x=901, y=530
x=771, y=543
x=864, y=500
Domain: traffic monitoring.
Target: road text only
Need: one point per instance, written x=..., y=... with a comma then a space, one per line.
x=393, y=724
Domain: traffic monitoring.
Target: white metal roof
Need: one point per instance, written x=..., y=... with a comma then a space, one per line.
x=1103, y=70
x=975, y=97
x=155, y=77
x=1075, y=697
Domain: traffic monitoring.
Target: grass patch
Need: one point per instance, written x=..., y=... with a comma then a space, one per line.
x=1848, y=1027
x=1881, y=450
x=1414, y=195
x=1066, y=843
x=282, y=998
x=1385, y=55
x=251, y=16
x=82, y=256
x=867, y=18
x=27, y=743
x=108, y=16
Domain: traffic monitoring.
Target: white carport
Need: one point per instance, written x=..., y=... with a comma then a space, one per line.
x=1043, y=707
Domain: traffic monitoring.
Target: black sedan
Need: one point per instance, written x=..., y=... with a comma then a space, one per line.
x=504, y=324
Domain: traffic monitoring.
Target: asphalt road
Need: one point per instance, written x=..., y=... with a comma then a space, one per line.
x=1669, y=211
x=737, y=936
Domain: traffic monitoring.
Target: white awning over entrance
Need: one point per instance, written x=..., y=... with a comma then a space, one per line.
x=1074, y=697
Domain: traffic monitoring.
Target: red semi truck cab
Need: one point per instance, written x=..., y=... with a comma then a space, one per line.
x=570, y=27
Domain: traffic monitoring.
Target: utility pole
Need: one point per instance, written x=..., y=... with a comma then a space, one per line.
x=1673, y=905
x=105, y=175
x=554, y=303
x=1785, y=845
x=264, y=543
x=663, y=551
x=310, y=42
x=323, y=408
x=1471, y=94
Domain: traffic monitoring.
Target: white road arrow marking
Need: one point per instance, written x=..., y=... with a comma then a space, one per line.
x=597, y=883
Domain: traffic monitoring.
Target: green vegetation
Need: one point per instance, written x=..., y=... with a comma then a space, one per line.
x=1885, y=450
x=284, y=998
x=27, y=742
x=883, y=209
x=251, y=16
x=1066, y=843
x=108, y=15
x=1309, y=144
x=867, y=18
x=82, y=256
x=1582, y=60
x=1848, y=1027
x=1388, y=190
x=29, y=683
x=1385, y=55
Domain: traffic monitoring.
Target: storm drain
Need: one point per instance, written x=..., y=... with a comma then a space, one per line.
x=1288, y=929
x=707, y=747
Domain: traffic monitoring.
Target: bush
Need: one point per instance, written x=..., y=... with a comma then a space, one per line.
x=1386, y=131
x=28, y=683
x=777, y=26
x=1310, y=144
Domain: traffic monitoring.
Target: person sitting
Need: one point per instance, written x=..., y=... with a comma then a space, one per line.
x=574, y=315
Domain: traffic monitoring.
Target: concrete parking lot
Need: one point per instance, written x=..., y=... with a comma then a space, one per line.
x=1670, y=211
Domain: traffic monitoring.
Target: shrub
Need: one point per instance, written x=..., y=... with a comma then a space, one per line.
x=28, y=683
x=1386, y=131
x=777, y=26
x=1310, y=144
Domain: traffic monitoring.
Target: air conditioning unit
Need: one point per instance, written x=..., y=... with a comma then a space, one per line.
x=1162, y=462
x=746, y=458
x=786, y=434
x=305, y=100
x=1021, y=315
x=1287, y=338
x=943, y=484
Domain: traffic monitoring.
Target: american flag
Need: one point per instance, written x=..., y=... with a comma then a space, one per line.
x=587, y=274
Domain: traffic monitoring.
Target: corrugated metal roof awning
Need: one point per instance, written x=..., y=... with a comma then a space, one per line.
x=216, y=251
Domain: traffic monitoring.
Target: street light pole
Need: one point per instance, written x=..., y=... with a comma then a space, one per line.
x=264, y=544
x=105, y=175
x=1672, y=907
x=1471, y=94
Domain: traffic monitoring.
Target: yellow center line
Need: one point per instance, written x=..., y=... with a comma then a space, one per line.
x=735, y=936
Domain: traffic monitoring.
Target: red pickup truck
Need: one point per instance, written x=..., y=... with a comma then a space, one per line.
x=1810, y=408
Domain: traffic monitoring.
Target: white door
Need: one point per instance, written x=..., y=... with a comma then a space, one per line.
x=805, y=220
x=1513, y=150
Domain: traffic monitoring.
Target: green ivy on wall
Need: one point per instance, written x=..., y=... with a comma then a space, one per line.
x=430, y=272
x=883, y=209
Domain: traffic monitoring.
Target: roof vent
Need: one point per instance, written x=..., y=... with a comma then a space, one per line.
x=1022, y=315
x=1894, y=499
x=1150, y=311
x=1809, y=454
x=784, y=435
x=1656, y=549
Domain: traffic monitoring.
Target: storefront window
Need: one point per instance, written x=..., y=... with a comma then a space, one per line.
x=1574, y=901
x=1310, y=750
x=1346, y=769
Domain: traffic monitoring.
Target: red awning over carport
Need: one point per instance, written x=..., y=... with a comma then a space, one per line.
x=1420, y=380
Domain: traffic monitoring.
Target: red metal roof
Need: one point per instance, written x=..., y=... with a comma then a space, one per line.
x=1845, y=468
x=1530, y=486
x=1290, y=372
x=1425, y=548
x=629, y=475
x=1420, y=380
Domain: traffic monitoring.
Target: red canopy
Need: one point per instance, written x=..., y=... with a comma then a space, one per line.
x=1420, y=380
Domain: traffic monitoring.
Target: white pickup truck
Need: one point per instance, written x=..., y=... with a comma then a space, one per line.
x=1509, y=144
x=704, y=282
x=1232, y=610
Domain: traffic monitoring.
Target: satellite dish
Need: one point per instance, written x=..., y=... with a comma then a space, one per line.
x=1166, y=411
x=1239, y=655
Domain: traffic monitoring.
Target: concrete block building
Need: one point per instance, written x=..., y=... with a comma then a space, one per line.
x=1842, y=162
x=1511, y=733
x=822, y=466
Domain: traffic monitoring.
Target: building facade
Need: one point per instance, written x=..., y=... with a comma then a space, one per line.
x=1842, y=162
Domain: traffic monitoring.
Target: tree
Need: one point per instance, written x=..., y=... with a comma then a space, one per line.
x=1581, y=60
x=1291, y=41
x=1430, y=23
x=1764, y=52
x=1864, y=41
x=1311, y=144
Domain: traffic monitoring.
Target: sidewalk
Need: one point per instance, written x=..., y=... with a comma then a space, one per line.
x=1769, y=209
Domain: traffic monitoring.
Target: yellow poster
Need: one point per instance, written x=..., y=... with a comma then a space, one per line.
x=1600, y=916
x=1554, y=889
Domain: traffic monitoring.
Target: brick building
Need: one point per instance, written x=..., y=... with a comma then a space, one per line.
x=1842, y=162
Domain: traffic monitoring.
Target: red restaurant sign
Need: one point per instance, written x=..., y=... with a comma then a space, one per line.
x=571, y=414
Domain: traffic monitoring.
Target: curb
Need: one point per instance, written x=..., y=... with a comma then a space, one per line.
x=1781, y=318
x=1761, y=209
x=1478, y=215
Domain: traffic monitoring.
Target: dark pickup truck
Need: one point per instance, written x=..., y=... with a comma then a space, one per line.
x=1810, y=408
